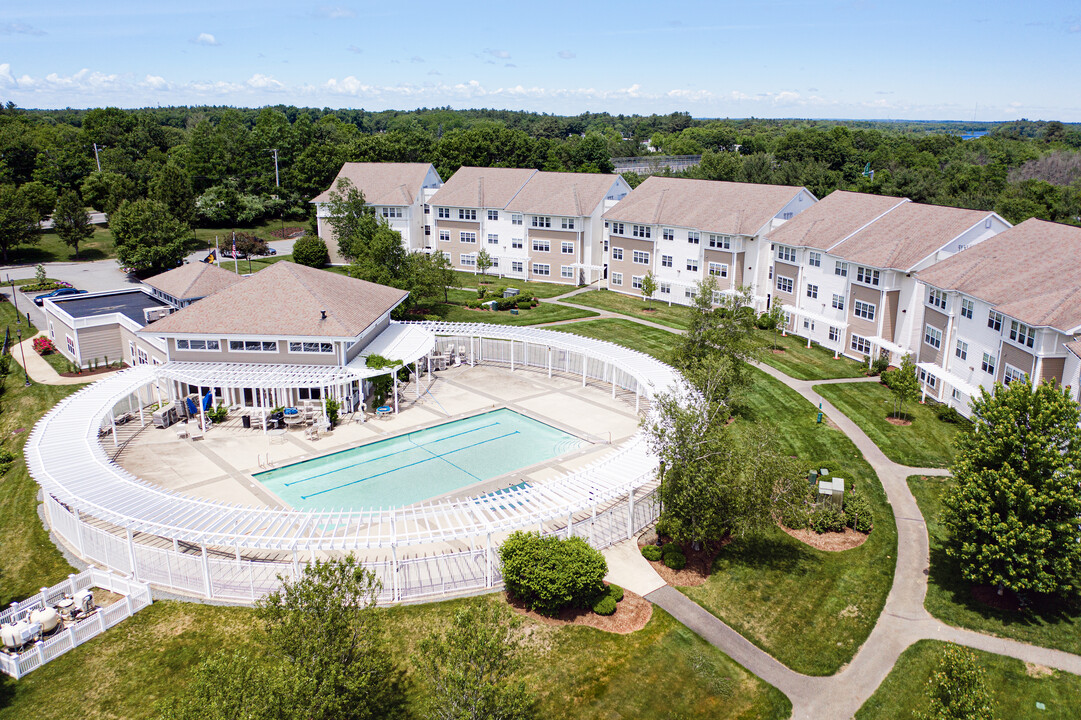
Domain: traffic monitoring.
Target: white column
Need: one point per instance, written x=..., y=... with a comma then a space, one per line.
x=549, y=361
x=512, y=356
x=394, y=374
x=585, y=362
x=131, y=554
x=630, y=513
x=488, y=560
x=206, y=573
x=472, y=360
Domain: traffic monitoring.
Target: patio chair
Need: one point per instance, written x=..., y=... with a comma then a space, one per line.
x=196, y=432
x=182, y=431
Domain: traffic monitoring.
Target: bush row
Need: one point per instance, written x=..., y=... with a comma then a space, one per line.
x=823, y=517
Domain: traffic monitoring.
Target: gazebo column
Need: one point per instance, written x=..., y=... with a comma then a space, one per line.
x=549, y=362
x=394, y=375
x=472, y=359
x=512, y=356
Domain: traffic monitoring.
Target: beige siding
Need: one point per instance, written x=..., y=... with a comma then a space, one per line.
x=554, y=257
x=627, y=265
x=789, y=271
x=1013, y=355
x=99, y=343
x=857, y=325
x=127, y=337
x=724, y=257
x=738, y=267
x=1052, y=369
x=889, y=315
x=927, y=353
x=62, y=331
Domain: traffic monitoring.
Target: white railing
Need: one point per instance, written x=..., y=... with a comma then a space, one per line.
x=136, y=597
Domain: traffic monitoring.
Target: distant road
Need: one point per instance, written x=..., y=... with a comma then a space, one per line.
x=96, y=218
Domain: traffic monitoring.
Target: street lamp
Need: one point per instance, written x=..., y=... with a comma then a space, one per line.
x=19, y=335
x=15, y=300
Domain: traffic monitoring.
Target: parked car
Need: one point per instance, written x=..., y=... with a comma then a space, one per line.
x=271, y=251
x=59, y=292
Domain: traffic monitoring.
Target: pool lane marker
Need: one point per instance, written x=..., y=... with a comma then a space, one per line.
x=384, y=457
x=419, y=462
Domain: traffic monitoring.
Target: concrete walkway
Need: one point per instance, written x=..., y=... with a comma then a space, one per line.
x=39, y=369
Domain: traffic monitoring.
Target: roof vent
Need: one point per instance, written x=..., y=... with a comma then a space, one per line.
x=324, y=314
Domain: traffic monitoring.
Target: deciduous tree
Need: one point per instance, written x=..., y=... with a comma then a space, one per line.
x=1013, y=516
x=903, y=383
x=484, y=261
x=958, y=689
x=311, y=251
x=649, y=287
x=71, y=221
x=19, y=221
x=148, y=238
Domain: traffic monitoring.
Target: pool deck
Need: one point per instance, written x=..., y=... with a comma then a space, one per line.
x=220, y=467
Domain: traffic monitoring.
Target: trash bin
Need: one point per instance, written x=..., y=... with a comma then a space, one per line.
x=245, y=420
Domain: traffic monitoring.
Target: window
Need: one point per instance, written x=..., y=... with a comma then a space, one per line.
x=617, y=229
x=427, y=229
x=957, y=394
x=690, y=293
x=71, y=345
x=640, y=257
x=392, y=212
x=666, y=261
x=540, y=221
x=835, y=334
x=808, y=325
x=493, y=214
x=668, y=234
x=932, y=336
x=468, y=259
x=1022, y=334
x=253, y=345
x=994, y=320
x=617, y=253
x=839, y=302
x=636, y=282
x=937, y=298
x=198, y=345
x=814, y=259
x=566, y=271
x=567, y=223
x=786, y=253
x=617, y=278
x=1011, y=373
x=427, y=209
x=143, y=358
x=812, y=291
x=861, y=344
x=694, y=238
x=52, y=332
x=988, y=364
x=493, y=239
x=866, y=275
x=692, y=264
x=863, y=310
x=467, y=214
x=665, y=288
x=516, y=243
x=469, y=238
x=309, y=393
x=516, y=266
x=443, y=213
x=567, y=248
x=516, y=219
x=542, y=269
x=640, y=231
x=929, y=379
x=784, y=284
x=542, y=246
x=718, y=269
x=720, y=242
x=961, y=350
x=966, y=308
x=311, y=347
x=444, y=236
x=840, y=268
x=495, y=262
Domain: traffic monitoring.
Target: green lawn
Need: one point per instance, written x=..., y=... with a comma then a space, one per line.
x=676, y=316
x=1014, y=687
x=927, y=442
x=255, y=264
x=810, y=609
x=530, y=288
x=651, y=341
x=576, y=672
x=543, y=313
x=803, y=363
x=949, y=596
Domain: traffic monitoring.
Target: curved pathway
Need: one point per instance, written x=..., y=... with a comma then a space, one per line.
x=903, y=620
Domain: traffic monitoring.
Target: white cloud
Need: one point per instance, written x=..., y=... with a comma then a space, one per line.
x=264, y=82
x=334, y=12
x=155, y=82
x=7, y=80
x=206, y=39
x=566, y=55
x=501, y=54
x=18, y=28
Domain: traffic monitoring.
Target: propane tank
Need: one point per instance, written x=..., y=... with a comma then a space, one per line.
x=18, y=634
x=84, y=601
x=47, y=617
x=66, y=608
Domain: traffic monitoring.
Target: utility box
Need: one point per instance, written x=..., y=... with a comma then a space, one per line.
x=833, y=492
x=511, y=292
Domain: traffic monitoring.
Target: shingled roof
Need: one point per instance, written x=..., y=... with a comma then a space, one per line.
x=833, y=219
x=477, y=187
x=382, y=183
x=709, y=205
x=193, y=280
x=1029, y=272
x=562, y=193
x=287, y=300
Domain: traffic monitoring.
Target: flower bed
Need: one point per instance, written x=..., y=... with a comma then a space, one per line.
x=44, y=346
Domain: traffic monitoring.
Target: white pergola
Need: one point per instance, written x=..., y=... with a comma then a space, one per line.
x=85, y=489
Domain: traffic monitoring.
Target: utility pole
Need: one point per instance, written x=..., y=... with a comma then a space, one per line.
x=277, y=180
x=96, y=158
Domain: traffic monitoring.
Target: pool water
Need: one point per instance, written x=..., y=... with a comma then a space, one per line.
x=408, y=468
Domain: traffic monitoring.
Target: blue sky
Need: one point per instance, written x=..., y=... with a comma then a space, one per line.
x=992, y=60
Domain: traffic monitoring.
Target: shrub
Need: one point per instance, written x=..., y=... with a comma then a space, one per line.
x=218, y=414
x=881, y=364
x=797, y=516
x=671, y=547
x=651, y=553
x=605, y=606
x=949, y=414
x=765, y=322
x=615, y=592
x=481, y=292
x=675, y=560
x=826, y=519
x=311, y=251
x=549, y=574
x=858, y=515
x=44, y=346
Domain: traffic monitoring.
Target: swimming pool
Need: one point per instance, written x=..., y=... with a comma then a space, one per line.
x=419, y=465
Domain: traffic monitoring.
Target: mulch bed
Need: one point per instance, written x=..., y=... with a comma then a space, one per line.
x=632, y=613
x=898, y=421
x=988, y=595
x=88, y=373
x=699, y=564
x=830, y=541
x=288, y=233
x=778, y=351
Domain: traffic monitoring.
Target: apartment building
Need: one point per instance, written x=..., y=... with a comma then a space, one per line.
x=534, y=225
x=843, y=270
x=1007, y=308
x=684, y=231
x=399, y=192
